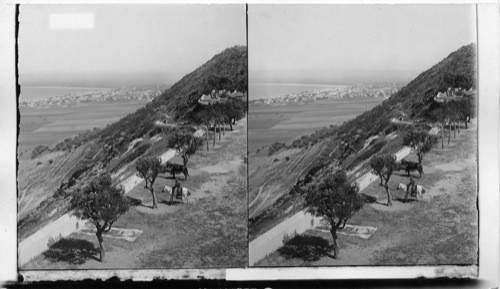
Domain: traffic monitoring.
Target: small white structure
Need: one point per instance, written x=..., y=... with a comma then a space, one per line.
x=441, y=97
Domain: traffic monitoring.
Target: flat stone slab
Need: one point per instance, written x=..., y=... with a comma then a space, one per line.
x=363, y=232
x=129, y=235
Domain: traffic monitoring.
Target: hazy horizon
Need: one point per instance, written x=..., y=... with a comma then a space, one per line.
x=122, y=45
x=341, y=44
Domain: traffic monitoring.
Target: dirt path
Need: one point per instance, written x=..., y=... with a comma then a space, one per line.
x=256, y=197
x=262, y=202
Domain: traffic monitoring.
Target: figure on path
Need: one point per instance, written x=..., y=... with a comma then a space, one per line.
x=410, y=188
x=176, y=190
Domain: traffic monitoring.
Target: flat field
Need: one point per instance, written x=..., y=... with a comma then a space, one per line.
x=50, y=125
x=286, y=122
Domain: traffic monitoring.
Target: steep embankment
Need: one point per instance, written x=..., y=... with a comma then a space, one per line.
x=351, y=145
x=69, y=166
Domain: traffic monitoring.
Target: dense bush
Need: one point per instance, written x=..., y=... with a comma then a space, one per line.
x=275, y=147
x=37, y=151
x=227, y=70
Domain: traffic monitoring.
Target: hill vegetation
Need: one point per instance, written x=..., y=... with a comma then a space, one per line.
x=109, y=149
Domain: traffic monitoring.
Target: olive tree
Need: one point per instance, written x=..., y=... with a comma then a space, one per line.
x=384, y=165
x=102, y=204
x=467, y=109
x=419, y=141
x=185, y=144
x=148, y=168
x=377, y=165
x=335, y=199
x=234, y=110
x=440, y=115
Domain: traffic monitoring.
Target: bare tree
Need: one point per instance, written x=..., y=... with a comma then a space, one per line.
x=335, y=199
x=102, y=203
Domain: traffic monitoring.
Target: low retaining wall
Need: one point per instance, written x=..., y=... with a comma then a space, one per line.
x=273, y=239
x=40, y=241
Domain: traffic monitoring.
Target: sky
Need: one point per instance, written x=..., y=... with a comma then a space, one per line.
x=100, y=41
x=341, y=43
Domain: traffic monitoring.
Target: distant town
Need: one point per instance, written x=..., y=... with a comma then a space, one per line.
x=104, y=95
x=355, y=91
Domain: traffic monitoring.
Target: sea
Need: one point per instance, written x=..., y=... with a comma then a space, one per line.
x=270, y=90
x=30, y=93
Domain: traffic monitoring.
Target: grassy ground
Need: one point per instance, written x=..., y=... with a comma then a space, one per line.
x=441, y=229
x=208, y=232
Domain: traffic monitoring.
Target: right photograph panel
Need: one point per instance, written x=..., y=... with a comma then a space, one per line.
x=362, y=135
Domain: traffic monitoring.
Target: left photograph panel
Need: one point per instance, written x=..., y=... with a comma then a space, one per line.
x=132, y=137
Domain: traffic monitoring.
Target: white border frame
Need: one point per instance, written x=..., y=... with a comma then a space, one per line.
x=489, y=76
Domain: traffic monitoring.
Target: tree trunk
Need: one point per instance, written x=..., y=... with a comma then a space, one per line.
x=389, y=196
x=454, y=129
x=449, y=132
x=207, y=138
x=223, y=128
x=231, y=126
x=152, y=190
x=101, y=247
x=185, y=160
x=219, y=131
x=381, y=180
x=465, y=121
x=215, y=136
x=333, y=231
x=458, y=125
x=420, y=157
x=442, y=136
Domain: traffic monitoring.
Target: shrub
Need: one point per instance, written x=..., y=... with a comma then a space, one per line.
x=38, y=151
x=275, y=147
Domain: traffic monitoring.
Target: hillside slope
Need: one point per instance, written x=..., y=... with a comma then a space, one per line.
x=350, y=145
x=115, y=147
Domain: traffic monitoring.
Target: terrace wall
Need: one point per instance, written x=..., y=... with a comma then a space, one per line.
x=40, y=241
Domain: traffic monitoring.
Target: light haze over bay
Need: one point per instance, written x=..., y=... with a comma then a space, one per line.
x=349, y=44
x=122, y=45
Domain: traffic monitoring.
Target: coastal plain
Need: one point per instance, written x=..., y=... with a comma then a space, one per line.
x=51, y=124
x=286, y=122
